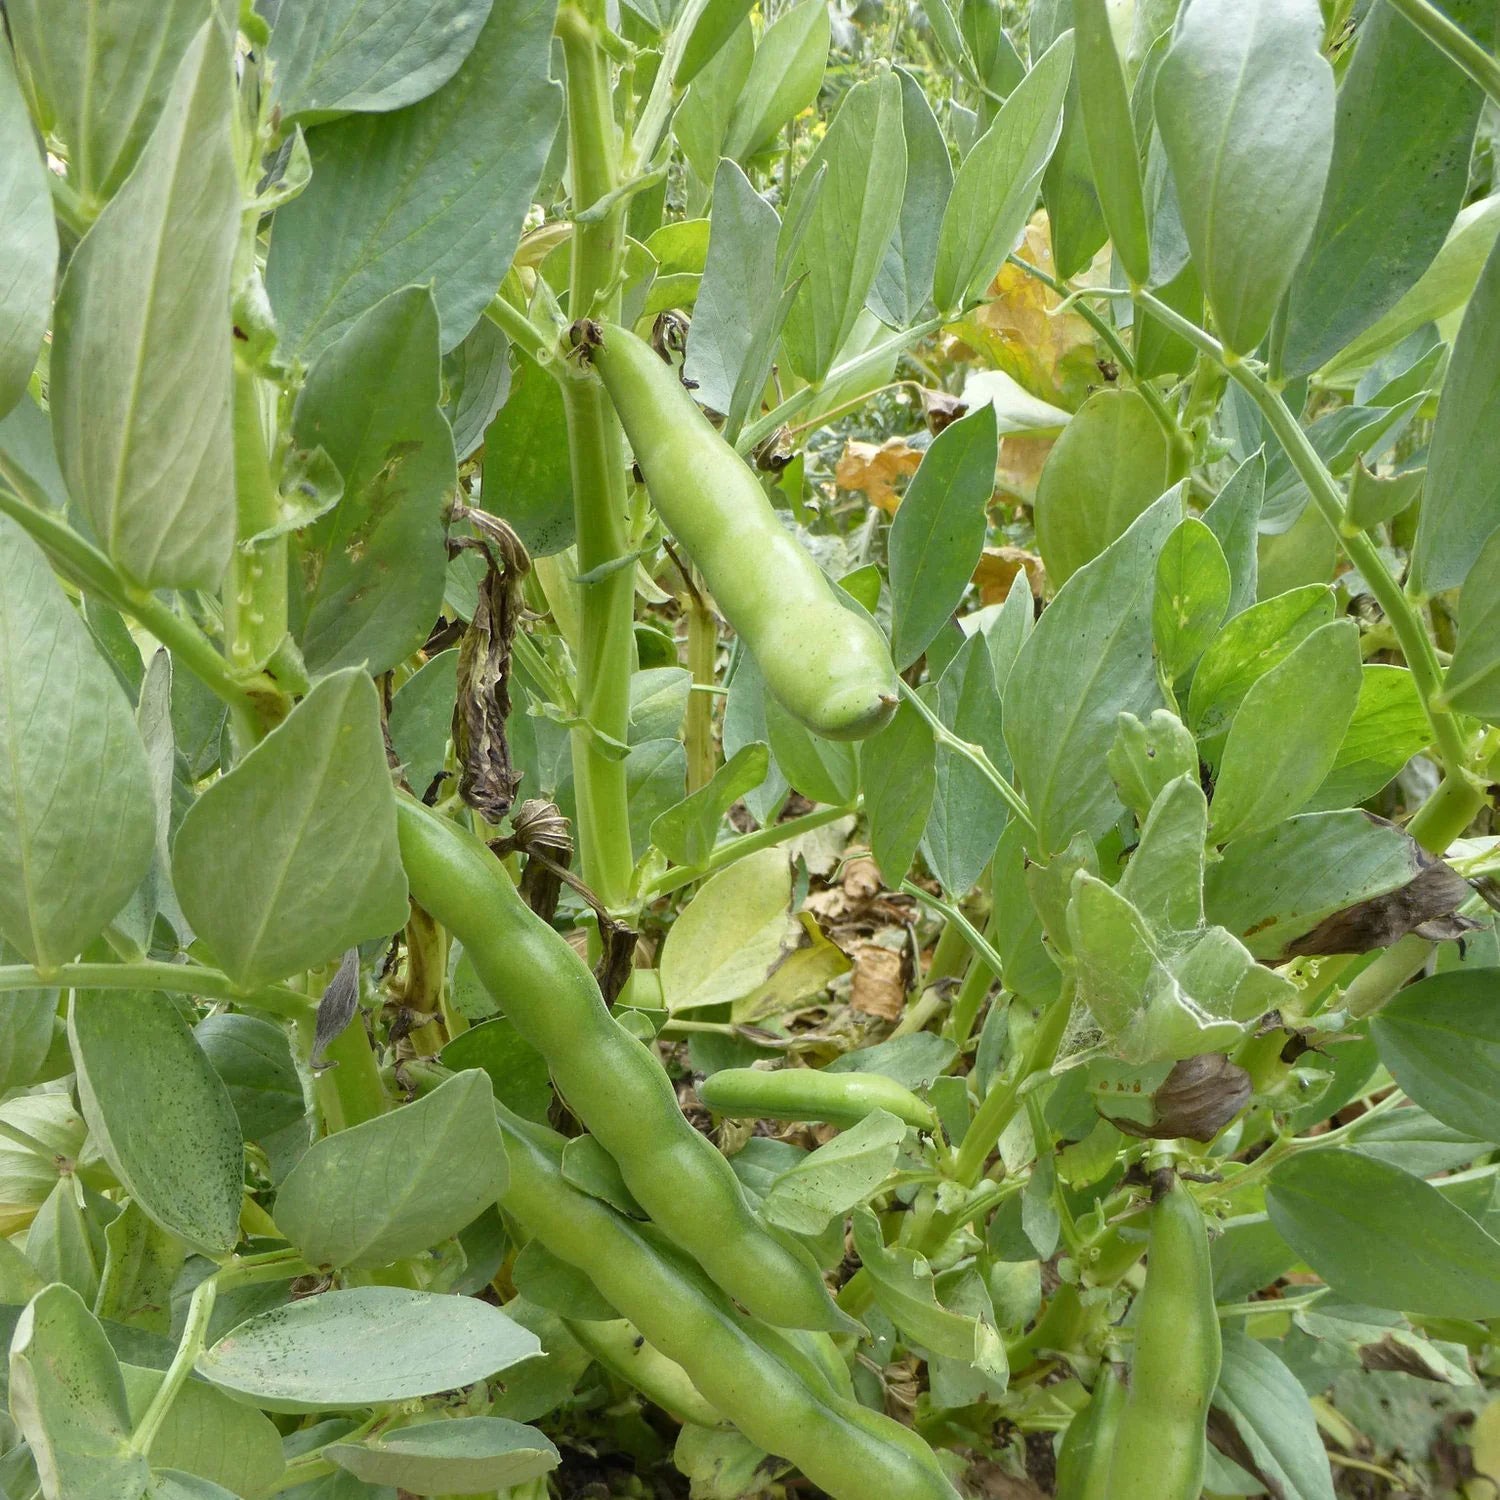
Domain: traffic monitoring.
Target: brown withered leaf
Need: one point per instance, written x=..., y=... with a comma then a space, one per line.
x=941, y=409
x=873, y=469
x=487, y=780
x=1426, y=905
x=861, y=879
x=997, y=570
x=879, y=986
x=1197, y=1099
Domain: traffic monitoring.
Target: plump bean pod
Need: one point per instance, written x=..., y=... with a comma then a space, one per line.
x=609, y=1079
x=621, y=1349
x=1159, y=1443
x=1083, y=1459
x=845, y=1449
x=828, y=666
x=842, y=1099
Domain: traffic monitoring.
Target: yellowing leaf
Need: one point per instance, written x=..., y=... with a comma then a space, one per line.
x=873, y=470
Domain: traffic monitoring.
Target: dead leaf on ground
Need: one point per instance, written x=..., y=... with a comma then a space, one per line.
x=873, y=469
x=878, y=987
x=861, y=879
x=997, y=570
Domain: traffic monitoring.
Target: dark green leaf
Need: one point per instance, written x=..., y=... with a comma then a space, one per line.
x=899, y=780
x=1388, y=728
x=463, y=1455
x=421, y=719
x=1472, y=682
x=526, y=475
x=686, y=833
x=254, y=1058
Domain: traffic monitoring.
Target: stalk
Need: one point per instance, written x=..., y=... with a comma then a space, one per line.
x=255, y=592
x=179, y=979
x=606, y=607
x=702, y=650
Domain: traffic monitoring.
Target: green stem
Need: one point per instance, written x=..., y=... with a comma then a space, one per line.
x=189, y=1346
x=971, y=993
x=702, y=653
x=606, y=644
x=994, y=1114
x=179, y=979
x=1454, y=43
x=1374, y=986
x=1416, y=646
x=747, y=843
x=350, y=1091
x=974, y=754
x=983, y=952
x=255, y=592
x=257, y=696
x=522, y=332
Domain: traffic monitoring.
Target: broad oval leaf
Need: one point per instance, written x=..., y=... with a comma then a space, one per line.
x=464, y=1456
x=1379, y=1235
x=1472, y=682
x=1286, y=735
x=841, y=1173
x=527, y=478
x=898, y=773
x=375, y=565
x=77, y=830
x=1109, y=464
x=433, y=193
x=1192, y=596
x=159, y=1114
x=396, y=1185
x=364, y=55
x=1441, y=1041
x=141, y=362
x=311, y=818
x=1244, y=104
x=784, y=78
x=28, y=240
x=1087, y=661
x=939, y=530
x=254, y=1059
x=67, y=1396
x=364, y=1346
x=996, y=185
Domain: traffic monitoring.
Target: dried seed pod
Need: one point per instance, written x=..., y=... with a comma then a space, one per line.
x=1196, y=1100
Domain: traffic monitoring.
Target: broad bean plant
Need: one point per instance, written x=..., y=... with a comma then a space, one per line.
x=749, y=749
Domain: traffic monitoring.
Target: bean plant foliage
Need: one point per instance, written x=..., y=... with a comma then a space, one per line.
x=749, y=749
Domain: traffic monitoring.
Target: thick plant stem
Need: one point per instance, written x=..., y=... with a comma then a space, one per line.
x=350, y=1091
x=1454, y=43
x=702, y=650
x=1416, y=646
x=606, y=605
x=255, y=592
x=1374, y=986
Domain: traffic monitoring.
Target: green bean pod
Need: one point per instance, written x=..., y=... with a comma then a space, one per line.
x=1083, y=1460
x=609, y=1079
x=827, y=665
x=841, y=1099
x=1160, y=1442
x=624, y=1352
x=845, y=1449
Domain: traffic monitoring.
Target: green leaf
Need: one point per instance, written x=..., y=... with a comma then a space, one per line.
x=1460, y=508
x=739, y=282
x=732, y=935
x=28, y=240
x=311, y=818
x=783, y=80
x=838, y=1175
x=904, y=283
x=396, y=1185
x=1440, y=1040
x=1234, y=516
x=1075, y=220
x=1192, y=596
x=858, y=174
x=141, y=362
x=686, y=833
x=1402, y=132
x=1375, y=499
x=1378, y=1235
x=1164, y=879
x=1265, y=1405
x=822, y=770
x=1248, y=647
x=336, y=55
x=374, y=566
x=1278, y=753
x=655, y=782
x=1244, y=104
x=68, y=1399
x=898, y=773
x=467, y=1454
x=1145, y=758
x=433, y=193
x=702, y=119
x=364, y=1346
x=716, y=23
x=996, y=185
x=1087, y=660
x=968, y=815
x=30, y=1175
x=254, y=1059
x=77, y=829
x=939, y=530
x=1388, y=728
x=101, y=75
x=1109, y=464
x=209, y=1435
x=141, y=1264
x=28, y=458
x=26, y=1030
x=744, y=724
x=1110, y=132
x=1472, y=682
x=526, y=475
x=542, y=1278
x=476, y=374
x=421, y=718
x=159, y=1114
x=1273, y=887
